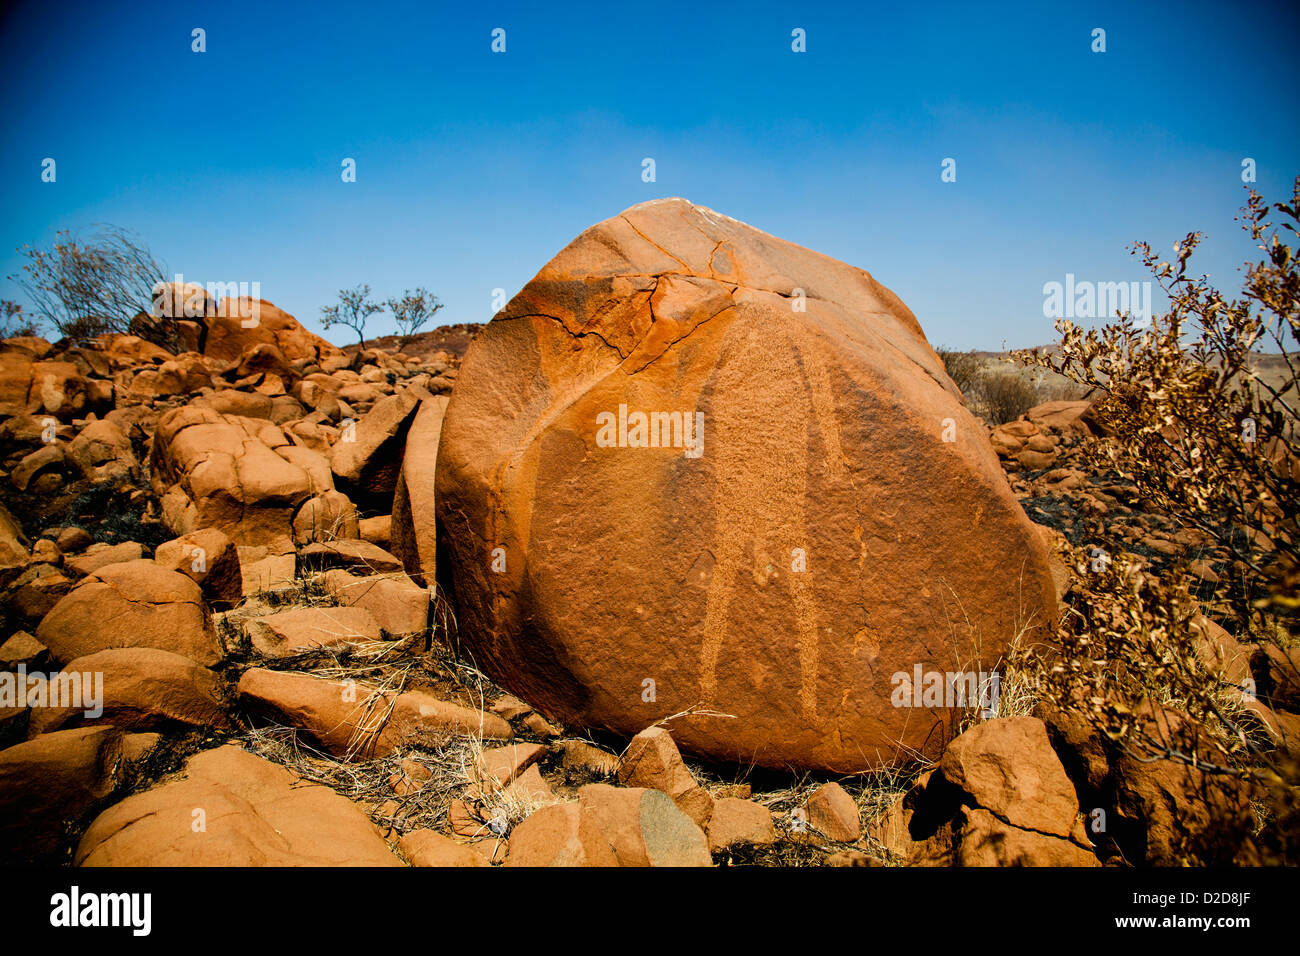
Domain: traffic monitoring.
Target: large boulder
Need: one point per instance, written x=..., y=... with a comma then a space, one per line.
x=142, y=688
x=131, y=604
x=239, y=475
x=413, y=531
x=368, y=455
x=241, y=323
x=48, y=784
x=16, y=360
x=232, y=808
x=691, y=463
x=610, y=826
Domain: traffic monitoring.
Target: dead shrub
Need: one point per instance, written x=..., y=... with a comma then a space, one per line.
x=1005, y=396
x=1210, y=443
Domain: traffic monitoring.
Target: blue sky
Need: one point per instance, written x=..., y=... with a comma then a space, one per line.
x=474, y=168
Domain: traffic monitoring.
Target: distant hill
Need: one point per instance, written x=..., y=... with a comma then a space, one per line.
x=445, y=338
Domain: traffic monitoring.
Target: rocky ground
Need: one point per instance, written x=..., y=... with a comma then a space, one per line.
x=236, y=539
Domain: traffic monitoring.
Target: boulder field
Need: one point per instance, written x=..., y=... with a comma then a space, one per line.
x=695, y=485
x=694, y=467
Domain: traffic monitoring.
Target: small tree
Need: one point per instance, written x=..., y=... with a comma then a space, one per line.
x=352, y=310
x=412, y=311
x=88, y=287
x=12, y=321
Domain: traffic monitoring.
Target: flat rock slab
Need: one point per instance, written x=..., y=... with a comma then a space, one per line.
x=254, y=813
x=610, y=826
x=353, y=721
x=131, y=604
x=138, y=688
x=357, y=556
x=304, y=628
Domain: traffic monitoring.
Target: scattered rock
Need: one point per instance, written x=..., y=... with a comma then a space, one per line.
x=367, y=458
x=548, y=837
x=71, y=540
x=430, y=848
x=418, y=715
x=51, y=782
x=530, y=787
x=985, y=840
x=352, y=721
x=302, y=628
x=344, y=718
x=134, y=688
x=261, y=571
x=326, y=517
x=503, y=764
x=399, y=606
x=609, y=826
x=510, y=707
x=652, y=760
x=232, y=332
x=1277, y=674
x=832, y=813
x=102, y=452
x=414, y=532
x=1008, y=767
x=539, y=726
x=131, y=604
x=410, y=779
x=98, y=556
x=735, y=823
x=13, y=547
x=42, y=461
x=210, y=559
x=581, y=756
x=637, y=827
x=377, y=531
x=233, y=474
x=21, y=648
x=353, y=555
x=1061, y=416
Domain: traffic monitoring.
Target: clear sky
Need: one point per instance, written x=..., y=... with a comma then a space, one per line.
x=474, y=168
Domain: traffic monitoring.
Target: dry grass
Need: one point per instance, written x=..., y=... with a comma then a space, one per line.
x=454, y=760
x=371, y=782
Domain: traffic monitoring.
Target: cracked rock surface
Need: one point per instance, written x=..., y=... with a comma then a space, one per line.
x=819, y=538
